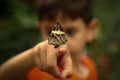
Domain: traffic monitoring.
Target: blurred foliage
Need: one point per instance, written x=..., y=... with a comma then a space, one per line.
x=107, y=44
x=14, y=41
x=17, y=12
x=18, y=32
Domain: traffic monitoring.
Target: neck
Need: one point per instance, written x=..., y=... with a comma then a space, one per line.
x=76, y=58
x=80, y=69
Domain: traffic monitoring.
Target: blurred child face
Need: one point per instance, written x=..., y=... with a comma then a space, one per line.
x=77, y=32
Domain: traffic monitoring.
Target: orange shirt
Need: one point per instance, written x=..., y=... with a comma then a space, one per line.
x=36, y=74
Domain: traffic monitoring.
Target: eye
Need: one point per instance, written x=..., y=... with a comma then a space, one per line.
x=70, y=31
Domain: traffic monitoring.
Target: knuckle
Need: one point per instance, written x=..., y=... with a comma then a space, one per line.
x=50, y=66
x=51, y=70
x=43, y=68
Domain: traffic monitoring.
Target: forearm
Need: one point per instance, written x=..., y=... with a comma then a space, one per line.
x=17, y=67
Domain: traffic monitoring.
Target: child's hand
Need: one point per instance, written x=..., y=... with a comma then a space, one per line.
x=48, y=59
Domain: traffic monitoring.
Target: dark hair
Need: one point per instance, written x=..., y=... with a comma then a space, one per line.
x=69, y=8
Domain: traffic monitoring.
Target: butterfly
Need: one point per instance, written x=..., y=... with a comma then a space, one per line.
x=57, y=36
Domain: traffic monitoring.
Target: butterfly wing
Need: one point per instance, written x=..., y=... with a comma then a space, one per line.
x=57, y=36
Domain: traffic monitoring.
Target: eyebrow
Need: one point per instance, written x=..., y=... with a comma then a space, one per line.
x=69, y=27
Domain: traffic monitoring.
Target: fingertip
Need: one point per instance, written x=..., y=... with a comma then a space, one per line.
x=62, y=49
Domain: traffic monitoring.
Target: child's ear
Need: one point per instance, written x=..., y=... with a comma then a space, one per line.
x=93, y=24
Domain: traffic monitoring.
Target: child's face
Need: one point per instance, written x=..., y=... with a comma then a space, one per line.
x=78, y=33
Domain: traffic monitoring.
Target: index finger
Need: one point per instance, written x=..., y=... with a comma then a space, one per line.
x=66, y=62
x=51, y=61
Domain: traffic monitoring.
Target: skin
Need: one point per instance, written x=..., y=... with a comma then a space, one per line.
x=45, y=56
